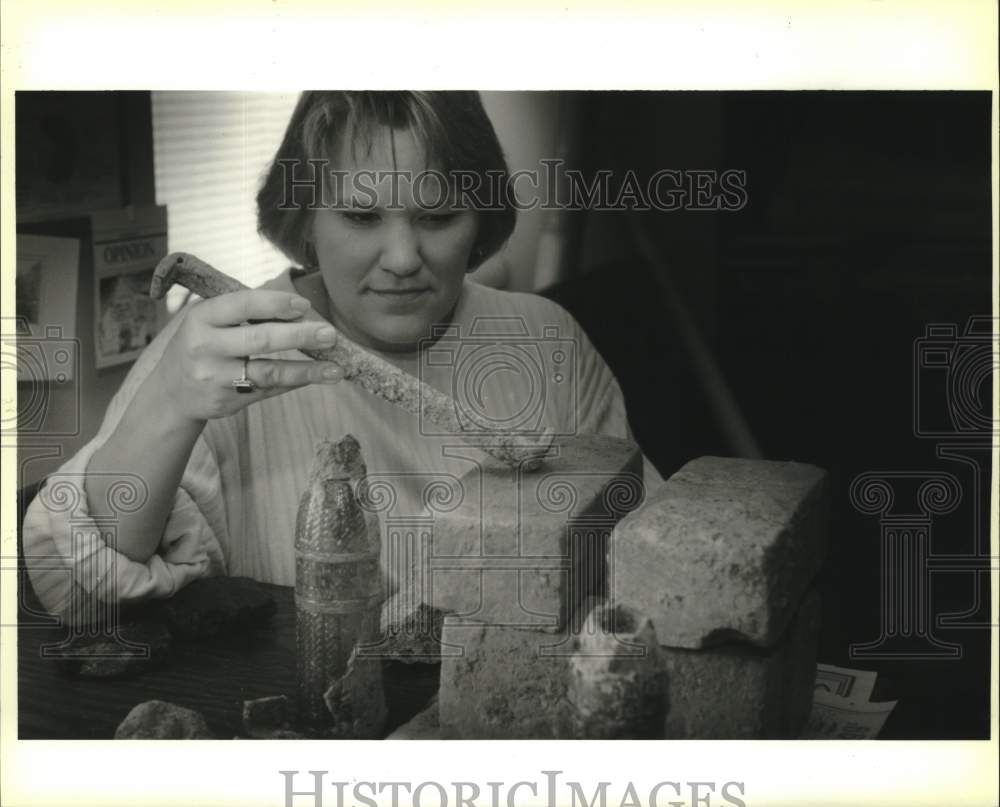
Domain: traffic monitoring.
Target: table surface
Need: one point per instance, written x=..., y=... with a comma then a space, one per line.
x=213, y=676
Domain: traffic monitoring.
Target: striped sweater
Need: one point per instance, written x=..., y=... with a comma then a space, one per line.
x=510, y=358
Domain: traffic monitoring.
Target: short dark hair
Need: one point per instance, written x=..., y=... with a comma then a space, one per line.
x=451, y=126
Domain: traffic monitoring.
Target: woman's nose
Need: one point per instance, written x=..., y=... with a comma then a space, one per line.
x=401, y=250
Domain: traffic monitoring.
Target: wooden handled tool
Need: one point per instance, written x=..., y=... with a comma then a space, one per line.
x=372, y=373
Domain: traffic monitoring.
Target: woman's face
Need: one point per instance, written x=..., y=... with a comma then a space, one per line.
x=394, y=269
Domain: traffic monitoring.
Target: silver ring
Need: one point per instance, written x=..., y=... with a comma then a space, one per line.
x=244, y=384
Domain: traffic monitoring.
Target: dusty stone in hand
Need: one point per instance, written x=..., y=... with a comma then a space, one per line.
x=215, y=605
x=160, y=720
x=139, y=646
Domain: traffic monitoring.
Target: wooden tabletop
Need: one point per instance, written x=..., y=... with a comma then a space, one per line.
x=213, y=676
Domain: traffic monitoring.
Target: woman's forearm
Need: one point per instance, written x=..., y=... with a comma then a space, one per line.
x=151, y=442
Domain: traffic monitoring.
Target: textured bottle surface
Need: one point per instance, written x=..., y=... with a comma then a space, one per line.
x=338, y=590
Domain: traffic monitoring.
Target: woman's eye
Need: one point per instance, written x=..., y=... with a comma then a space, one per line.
x=359, y=216
x=438, y=219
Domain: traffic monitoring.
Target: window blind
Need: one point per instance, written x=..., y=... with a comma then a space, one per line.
x=210, y=151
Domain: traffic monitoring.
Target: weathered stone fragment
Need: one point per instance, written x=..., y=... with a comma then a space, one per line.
x=723, y=550
x=356, y=701
x=413, y=637
x=527, y=549
x=137, y=646
x=737, y=691
x=211, y=606
x=618, y=684
x=508, y=683
x=160, y=720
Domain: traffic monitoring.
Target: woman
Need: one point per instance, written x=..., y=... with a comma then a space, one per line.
x=219, y=446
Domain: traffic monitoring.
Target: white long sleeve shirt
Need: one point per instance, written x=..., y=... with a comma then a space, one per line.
x=519, y=359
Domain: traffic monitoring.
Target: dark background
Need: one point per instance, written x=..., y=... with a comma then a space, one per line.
x=867, y=220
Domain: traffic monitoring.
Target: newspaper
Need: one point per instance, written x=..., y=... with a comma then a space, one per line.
x=842, y=709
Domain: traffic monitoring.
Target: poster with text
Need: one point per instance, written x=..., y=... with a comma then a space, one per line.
x=128, y=243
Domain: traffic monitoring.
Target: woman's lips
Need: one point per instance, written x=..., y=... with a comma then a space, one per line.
x=400, y=295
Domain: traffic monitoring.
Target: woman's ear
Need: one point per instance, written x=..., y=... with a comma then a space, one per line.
x=475, y=258
x=311, y=258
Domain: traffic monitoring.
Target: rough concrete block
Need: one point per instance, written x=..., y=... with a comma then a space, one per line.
x=502, y=685
x=508, y=683
x=527, y=549
x=723, y=550
x=737, y=691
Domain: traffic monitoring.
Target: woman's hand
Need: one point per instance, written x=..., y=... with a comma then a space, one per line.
x=196, y=372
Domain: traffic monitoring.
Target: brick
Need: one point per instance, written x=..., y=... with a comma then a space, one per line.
x=509, y=683
x=526, y=549
x=724, y=549
x=737, y=691
x=501, y=686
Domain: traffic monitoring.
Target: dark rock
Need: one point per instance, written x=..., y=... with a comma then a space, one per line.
x=263, y=717
x=414, y=637
x=425, y=725
x=214, y=605
x=134, y=648
x=285, y=734
x=356, y=701
x=159, y=720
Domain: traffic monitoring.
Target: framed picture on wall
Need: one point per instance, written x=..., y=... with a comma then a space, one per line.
x=45, y=288
x=128, y=243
